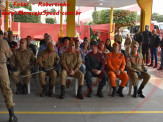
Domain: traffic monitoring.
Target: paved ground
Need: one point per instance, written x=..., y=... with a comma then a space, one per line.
x=32, y=108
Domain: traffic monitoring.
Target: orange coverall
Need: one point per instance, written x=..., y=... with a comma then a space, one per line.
x=116, y=62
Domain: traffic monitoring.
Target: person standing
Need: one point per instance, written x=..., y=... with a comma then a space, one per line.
x=146, y=37
x=138, y=38
x=118, y=37
x=161, y=46
x=5, y=52
x=127, y=44
x=154, y=43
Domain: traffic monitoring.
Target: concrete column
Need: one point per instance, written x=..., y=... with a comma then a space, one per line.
x=112, y=26
x=146, y=13
x=71, y=18
x=7, y=16
x=61, y=23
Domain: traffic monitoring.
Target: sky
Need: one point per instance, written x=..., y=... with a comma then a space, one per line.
x=158, y=6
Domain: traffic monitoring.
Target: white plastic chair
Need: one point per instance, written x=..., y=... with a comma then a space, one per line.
x=130, y=84
x=75, y=83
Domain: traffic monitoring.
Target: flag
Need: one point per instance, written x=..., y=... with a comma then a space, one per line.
x=92, y=35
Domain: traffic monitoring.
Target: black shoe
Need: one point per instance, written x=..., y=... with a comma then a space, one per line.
x=90, y=91
x=140, y=93
x=43, y=93
x=62, y=95
x=100, y=94
x=12, y=118
x=25, y=89
x=19, y=88
x=160, y=68
x=114, y=92
x=119, y=92
x=79, y=94
x=151, y=65
x=135, y=92
x=155, y=66
x=51, y=91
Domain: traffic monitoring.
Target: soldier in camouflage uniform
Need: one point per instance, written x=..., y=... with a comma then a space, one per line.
x=21, y=63
x=71, y=62
x=5, y=52
x=48, y=61
x=136, y=69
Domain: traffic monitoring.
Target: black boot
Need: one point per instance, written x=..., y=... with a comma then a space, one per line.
x=119, y=92
x=155, y=66
x=43, y=93
x=25, y=89
x=99, y=92
x=79, y=94
x=51, y=91
x=12, y=118
x=62, y=95
x=135, y=92
x=114, y=92
x=140, y=93
x=89, y=90
x=19, y=88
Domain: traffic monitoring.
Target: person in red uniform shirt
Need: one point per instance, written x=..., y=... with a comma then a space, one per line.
x=116, y=64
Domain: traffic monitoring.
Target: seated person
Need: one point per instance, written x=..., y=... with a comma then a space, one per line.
x=30, y=45
x=102, y=49
x=95, y=64
x=21, y=62
x=84, y=51
x=65, y=41
x=116, y=66
x=136, y=69
x=71, y=62
x=48, y=61
x=44, y=45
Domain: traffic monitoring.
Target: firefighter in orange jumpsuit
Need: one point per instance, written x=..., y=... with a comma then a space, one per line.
x=116, y=65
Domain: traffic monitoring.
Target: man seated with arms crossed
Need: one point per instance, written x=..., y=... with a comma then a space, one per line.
x=136, y=69
x=21, y=62
x=48, y=61
x=116, y=65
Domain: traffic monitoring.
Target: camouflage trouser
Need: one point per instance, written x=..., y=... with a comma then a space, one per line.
x=6, y=91
x=16, y=75
x=145, y=76
x=78, y=74
x=52, y=75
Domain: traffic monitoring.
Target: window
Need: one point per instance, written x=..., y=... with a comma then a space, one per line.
x=156, y=27
x=161, y=26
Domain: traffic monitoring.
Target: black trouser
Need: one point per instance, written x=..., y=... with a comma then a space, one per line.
x=145, y=52
x=90, y=74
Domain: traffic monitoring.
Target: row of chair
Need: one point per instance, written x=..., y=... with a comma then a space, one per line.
x=109, y=87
